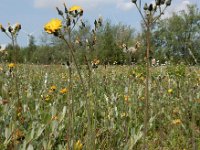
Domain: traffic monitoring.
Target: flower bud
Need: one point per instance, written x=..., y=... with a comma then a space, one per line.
x=134, y=1
x=100, y=21
x=145, y=6
x=83, y=24
x=155, y=7
x=59, y=11
x=158, y=2
x=162, y=2
x=68, y=21
x=66, y=10
x=10, y=29
x=150, y=7
x=81, y=13
x=168, y=2
x=2, y=28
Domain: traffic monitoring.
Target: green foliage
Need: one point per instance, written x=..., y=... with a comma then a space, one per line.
x=118, y=97
x=177, y=38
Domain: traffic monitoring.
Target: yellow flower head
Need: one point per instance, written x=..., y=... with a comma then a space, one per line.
x=11, y=65
x=176, y=122
x=75, y=8
x=53, y=87
x=53, y=26
x=63, y=91
x=1, y=69
x=78, y=145
x=17, y=27
x=170, y=91
x=47, y=98
x=126, y=97
x=2, y=28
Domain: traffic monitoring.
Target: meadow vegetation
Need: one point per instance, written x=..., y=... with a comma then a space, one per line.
x=84, y=92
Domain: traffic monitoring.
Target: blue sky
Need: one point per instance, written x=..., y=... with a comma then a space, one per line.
x=33, y=14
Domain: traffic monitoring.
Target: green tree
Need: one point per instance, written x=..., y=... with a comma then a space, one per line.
x=177, y=38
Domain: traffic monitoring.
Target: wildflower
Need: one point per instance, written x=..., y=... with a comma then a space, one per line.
x=63, y=91
x=170, y=91
x=176, y=111
x=126, y=97
x=176, y=122
x=1, y=69
x=2, y=28
x=78, y=145
x=53, y=26
x=53, y=87
x=18, y=136
x=11, y=65
x=54, y=118
x=95, y=63
x=17, y=27
x=47, y=98
x=75, y=8
x=124, y=114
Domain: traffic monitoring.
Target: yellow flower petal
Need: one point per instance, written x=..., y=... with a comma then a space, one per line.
x=73, y=8
x=52, y=26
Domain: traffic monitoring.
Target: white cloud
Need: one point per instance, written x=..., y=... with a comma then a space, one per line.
x=86, y=4
x=176, y=7
x=124, y=5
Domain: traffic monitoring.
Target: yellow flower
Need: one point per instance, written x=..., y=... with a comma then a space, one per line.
x=53, y=87
x=176, y=122
x=47, y=97
x=1, y=69
x=54, y=118
x=17, y=27
x=126, y=98
x=78, y=145
x=63, y=91
x=75, y=8
x=53, y=26
x=11, y=65
x=170, y=91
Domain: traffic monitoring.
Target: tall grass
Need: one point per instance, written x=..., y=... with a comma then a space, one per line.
x=117, y=103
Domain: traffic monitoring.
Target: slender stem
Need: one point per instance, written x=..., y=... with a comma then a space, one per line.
x=146, y=113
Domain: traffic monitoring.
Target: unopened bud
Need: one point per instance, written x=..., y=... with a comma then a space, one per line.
x=66, y=10
x=59, y=11
x=162, y=2
x=145, y=6
x=134, y=1
x=10, y=29
x=150, y=7
x=158, y=2
x=2, y=28
x=168, y=2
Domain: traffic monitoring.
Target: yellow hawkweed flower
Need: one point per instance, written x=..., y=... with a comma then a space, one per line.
x=126, y=97
x=64, y=90
x=53, y=88
x=11, y=65
x=78, y=145
x=176, y=122
x=54, y=118
x=17, y=27
x=53, y=26
x=75, y=8
x=1, y=69
x=170, y=91
x=47, y=97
